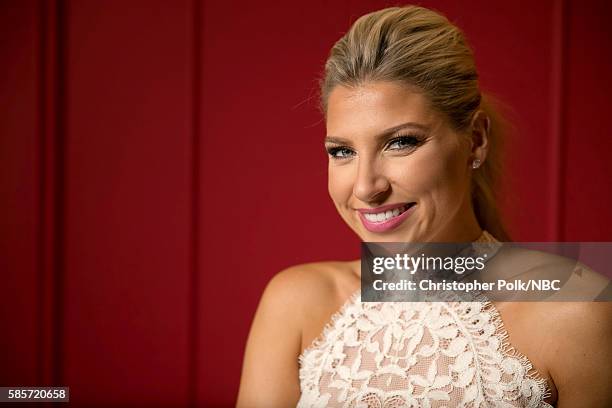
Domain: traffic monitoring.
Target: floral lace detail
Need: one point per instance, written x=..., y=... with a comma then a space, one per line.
x=417, y=354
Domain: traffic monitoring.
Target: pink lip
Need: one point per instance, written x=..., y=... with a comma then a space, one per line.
x=384, y=225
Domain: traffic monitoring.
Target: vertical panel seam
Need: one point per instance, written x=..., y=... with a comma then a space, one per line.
x=60, y=196
x=558, y=94
x=52, y=175
x=193, y=351
x=563, y=123
x=42, y=226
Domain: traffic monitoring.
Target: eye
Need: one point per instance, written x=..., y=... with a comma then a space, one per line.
x=403, y=142
x=340, y=152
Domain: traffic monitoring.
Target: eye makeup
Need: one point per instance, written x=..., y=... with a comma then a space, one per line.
x=400, y=143
x=403, y=142
x=339, y=152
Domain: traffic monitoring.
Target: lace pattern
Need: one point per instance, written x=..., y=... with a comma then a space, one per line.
x=417, y=354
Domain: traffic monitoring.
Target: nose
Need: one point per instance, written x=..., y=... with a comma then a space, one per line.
x=371, y=185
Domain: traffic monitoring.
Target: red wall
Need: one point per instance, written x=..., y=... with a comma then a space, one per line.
x=161, y=160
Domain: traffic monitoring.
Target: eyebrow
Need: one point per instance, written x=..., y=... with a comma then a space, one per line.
x=385, y=133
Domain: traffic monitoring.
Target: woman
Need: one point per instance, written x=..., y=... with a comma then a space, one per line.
x=413, y=149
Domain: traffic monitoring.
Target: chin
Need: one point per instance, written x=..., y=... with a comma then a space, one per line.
x=391, y=236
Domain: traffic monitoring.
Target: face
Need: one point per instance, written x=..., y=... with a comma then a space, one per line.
x=397, y=171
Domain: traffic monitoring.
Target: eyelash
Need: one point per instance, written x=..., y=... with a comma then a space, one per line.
x=412, y=140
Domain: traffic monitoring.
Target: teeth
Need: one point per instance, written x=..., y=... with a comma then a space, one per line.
x=385, y=215
x=370, y=217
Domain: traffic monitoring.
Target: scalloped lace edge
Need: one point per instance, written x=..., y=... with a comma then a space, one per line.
x=508, y=349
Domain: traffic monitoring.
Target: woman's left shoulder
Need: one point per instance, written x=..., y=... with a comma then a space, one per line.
x=576, y=325
x=579, y=350
x=577, y=316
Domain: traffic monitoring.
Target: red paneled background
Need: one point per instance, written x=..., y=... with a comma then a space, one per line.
x=161, y=160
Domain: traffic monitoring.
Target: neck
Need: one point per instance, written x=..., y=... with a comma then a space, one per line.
x=463, y=228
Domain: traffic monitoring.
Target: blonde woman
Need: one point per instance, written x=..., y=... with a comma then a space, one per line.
x=413, y=154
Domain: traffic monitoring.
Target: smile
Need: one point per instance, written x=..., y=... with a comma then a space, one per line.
x=385, y=218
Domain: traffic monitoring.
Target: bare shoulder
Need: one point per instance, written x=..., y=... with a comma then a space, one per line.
x=579, y=326
x=578, y=282
x=528, y=261
x=300, y=281
x=305, y=287
x=291, y=301
x=313, y=292
x=579, y=353
x=310, y=279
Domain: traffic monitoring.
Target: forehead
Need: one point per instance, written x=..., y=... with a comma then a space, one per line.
x=372, y=107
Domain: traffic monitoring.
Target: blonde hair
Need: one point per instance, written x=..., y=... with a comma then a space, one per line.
x=419, y=47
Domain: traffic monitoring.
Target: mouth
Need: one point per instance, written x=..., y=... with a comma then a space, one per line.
x=385, y=218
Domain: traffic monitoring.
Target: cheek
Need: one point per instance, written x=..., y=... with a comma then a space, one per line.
x=339, y=184
x=437, y=175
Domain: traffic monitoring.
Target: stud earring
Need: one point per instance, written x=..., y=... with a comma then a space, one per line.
x=476, y=164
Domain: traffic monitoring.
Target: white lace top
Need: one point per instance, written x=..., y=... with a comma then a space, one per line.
x=417, y=354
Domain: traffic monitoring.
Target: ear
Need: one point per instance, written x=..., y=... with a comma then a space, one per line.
x=480, y=128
